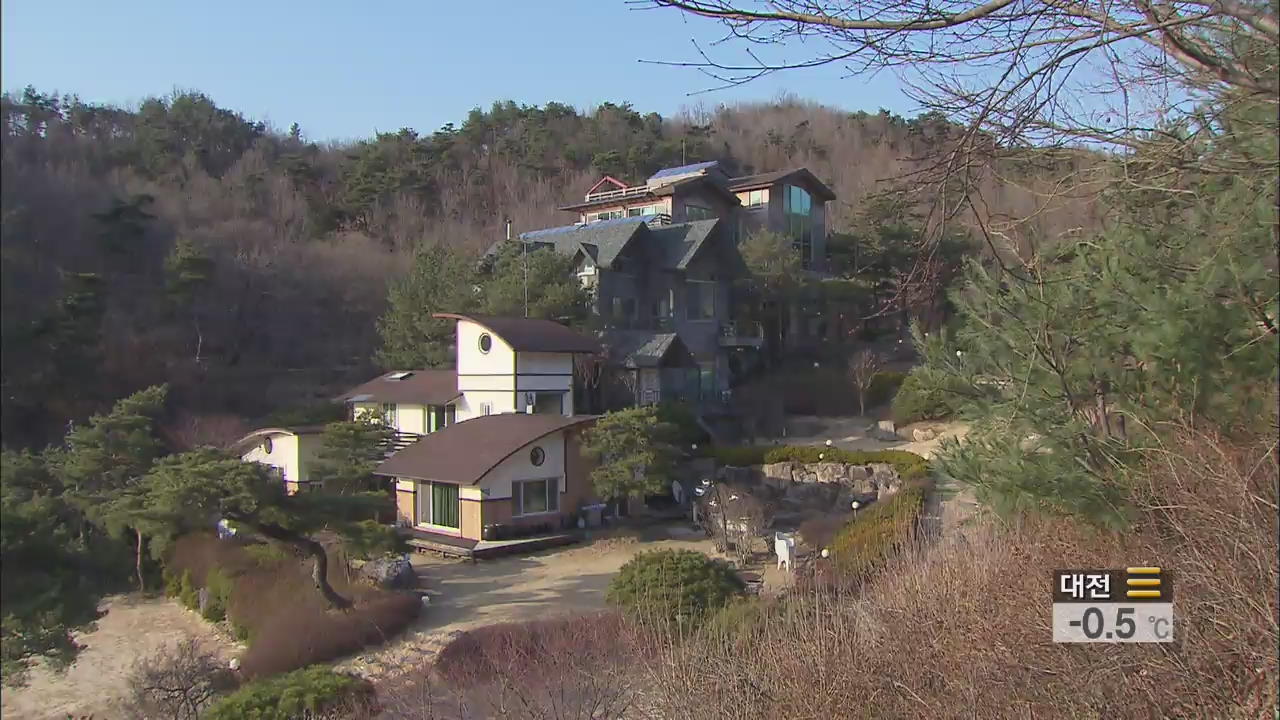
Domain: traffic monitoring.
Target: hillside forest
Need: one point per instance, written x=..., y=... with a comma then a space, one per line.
x=247, y=266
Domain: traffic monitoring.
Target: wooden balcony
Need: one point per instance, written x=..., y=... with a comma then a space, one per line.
x=399, y=441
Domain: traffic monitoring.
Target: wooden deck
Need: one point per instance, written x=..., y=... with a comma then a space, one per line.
x=473, y=550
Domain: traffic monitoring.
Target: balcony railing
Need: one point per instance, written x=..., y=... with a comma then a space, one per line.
x=617, y=194
x=399, y=441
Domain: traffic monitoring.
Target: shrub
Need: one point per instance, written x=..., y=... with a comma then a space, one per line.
x=300, y=693
x=266, y=555
x=884, y=385
x=218, y=587
x=877, y=533
x=679, y=586
x=290, y=638
x=187, y=593
x=738, y=621
x=685, y=428
x=915, y=402
x=177, y=682
x=269, y=600
x=819, y=531
x=531, y=650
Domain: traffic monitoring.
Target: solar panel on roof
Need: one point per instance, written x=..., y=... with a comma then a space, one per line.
x=682, y=170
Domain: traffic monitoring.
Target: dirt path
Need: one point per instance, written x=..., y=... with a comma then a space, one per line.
x=528, y=587
x=133, y=627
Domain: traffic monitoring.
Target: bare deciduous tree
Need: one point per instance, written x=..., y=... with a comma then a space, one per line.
x=177, y=682
x=863, y=367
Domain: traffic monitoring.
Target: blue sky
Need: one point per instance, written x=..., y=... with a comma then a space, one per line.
x=345, y=70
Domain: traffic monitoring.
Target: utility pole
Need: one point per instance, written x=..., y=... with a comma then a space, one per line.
x=524, y=262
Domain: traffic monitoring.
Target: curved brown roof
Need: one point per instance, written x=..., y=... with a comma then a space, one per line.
x=248, y=440
x=418, y=387
x=464, y=452
x=531, y=334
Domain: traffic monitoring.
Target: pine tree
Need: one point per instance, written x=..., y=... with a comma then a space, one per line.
x=196, y=489
x=632, y=451
x=440, y=280
x=349, y=452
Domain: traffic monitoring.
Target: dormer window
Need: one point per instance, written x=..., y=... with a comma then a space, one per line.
x=486, y=342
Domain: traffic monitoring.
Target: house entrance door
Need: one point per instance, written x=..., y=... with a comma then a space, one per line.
x=650, y=388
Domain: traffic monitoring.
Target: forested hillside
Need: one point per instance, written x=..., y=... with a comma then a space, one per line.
x=246, y=266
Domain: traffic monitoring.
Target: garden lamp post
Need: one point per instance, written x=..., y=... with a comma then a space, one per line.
x=855, y=505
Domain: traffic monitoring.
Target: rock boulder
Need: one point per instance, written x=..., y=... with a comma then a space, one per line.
x=393, y=572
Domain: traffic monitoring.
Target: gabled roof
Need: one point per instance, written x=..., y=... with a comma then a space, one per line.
x=608, y=237
x=677, y=245
x=531, y=334
x=644, y=348
x=464, y=452
x=418, y=387
x=764, y=180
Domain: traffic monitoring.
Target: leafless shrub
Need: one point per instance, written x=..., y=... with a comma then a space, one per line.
x=579, y=668
x=177, y=682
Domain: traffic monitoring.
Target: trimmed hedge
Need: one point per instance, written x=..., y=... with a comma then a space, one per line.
x=877, y=533
x=301, y=693
x=680, y=586
x=909, y=465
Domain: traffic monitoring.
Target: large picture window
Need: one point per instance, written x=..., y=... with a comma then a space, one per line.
x=438, y=505
x=531, y=497
x=701, y=303
x=797, y=209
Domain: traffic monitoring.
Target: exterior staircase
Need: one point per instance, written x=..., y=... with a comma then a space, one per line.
x=399, y=441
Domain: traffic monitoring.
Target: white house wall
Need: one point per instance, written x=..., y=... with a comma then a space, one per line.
x=503, y=401
x=518, y=467
x=284, y=455
x=500, y=360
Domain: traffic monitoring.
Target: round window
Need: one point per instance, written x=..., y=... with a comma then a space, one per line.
x=486, y=343
x=266, y=445
x=537, y=456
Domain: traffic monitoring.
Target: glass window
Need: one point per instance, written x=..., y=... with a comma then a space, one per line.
x=266, y=445
x=450, y=415
x=797, y=206
x=389, y=414
x=605, y=215
x=537, y=456
x=701, y=300
x=755, y=199
x=534, y=496
x=486, y=342
x=642, y=211
x=697, y=212
x=438, y=504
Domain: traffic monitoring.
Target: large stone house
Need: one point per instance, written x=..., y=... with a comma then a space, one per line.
x=661, y=260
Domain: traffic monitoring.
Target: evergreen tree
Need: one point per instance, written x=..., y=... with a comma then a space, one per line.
x=632, y=452
x=196, y=489
x=440, y=280
x=1072, y=364
x=554, y=291
x=349, y=452
x=102, y=465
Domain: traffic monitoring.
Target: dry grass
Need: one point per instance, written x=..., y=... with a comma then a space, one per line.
x=963, y=630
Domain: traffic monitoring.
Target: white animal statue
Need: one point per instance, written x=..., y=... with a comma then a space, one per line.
x=784, y=546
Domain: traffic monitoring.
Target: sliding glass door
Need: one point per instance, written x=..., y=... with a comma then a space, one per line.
x=438, y=505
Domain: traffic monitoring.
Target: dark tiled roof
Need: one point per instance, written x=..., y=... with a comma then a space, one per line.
x=531, y=334
x=420, y=387
x=644, y=348
x=680, y=243
x=464, y=452
x=763, y=180
x=602, y=240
